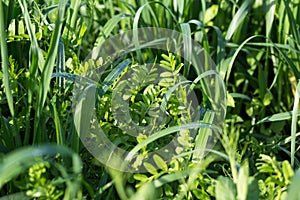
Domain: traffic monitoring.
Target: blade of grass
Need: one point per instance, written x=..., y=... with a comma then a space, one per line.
x=294, y=124
x=238, y=19
x=218, y=153
x=203, y=10
x=51, y=55
x=83, y=109
x=10, y=12
x=204, y=39
x=166, y=132
x=221, y=45
x=278, y=117
x=169, y=93
x=6, y=76
x=202, y=137
x=241, y=96
x=179, y=4
x=187, y=41
x=47, y=71
x=267, y=44
x=5, y=66
x=270, y=6
x=169, y=178
x=108, y=28
x=279, y=48
x=6, y=131
x=229, y=68
x=113, y=75
x=36, y=62
x=136, y=22
x=73, y=16
x=288, y=139
x=221, y=41
x=292, y=22
x=61, y=63
x=118, y=178
x=60, y=135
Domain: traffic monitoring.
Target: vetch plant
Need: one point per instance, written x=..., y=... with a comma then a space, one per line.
x=148, y=99
x=164, y=107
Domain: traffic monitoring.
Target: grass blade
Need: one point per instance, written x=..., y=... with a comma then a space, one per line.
x=37, y=59
x=4, y=58
x=238, y=19
x=292, y=22
x=169, y=93
x=187, y=41
x=165, y=132
x=278, y=117
x=113, y=75
x=204, y=38
x=61, y=63
x=60, y=135
x=46, y=71
x=225, y=189
x=228, y=70
x=51, y=55
x=294, y=124
x=36, y=62
x=136, y=22
x=108, y=28
x=6, y=76
x=270, y=5
x=72, y=15
x=202, y=137
x=241, y=96
x=84, y=108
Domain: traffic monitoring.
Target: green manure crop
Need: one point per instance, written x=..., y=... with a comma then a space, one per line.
x=46, y=47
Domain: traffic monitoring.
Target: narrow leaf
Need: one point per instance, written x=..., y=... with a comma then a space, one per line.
x=4, y=59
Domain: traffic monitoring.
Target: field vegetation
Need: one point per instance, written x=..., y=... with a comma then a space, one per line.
x=45, y=48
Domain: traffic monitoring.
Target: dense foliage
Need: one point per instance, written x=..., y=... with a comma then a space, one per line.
x=255, y=45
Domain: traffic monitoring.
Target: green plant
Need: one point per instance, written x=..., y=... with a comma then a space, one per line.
x=255, y=45
x=37, y=184
x=276, y=177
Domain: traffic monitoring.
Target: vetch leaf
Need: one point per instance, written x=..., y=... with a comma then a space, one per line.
x=141, y=177
x=211, y=13
x=169, y=178
x=160, y=162
x=150, y=168
x=287, y=171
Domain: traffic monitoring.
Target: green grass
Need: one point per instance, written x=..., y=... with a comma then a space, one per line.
x=255, y=46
